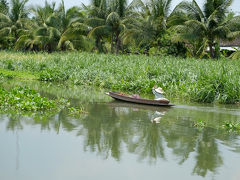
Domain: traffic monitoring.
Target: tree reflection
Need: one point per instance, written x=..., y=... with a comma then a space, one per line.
x=101, y=133
x=14, y=122
x=108, y=128
x=180, y=138
x=208, y=157
x=149, y=143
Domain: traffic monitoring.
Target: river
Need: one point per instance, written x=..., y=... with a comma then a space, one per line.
x=117, y=140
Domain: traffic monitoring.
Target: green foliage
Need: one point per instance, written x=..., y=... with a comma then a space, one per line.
x=200, y=124
x=6, y=76
x=196, y=80
x=24, y=99
x=10, y=66
x=109, y=24
x=4, y=7
x=54, y=29
x=9, y=74
x=116, y=26
x=203, y=27
x=231, y=126
x=236, y=55
x=53, y=75
x=165, y=46
x=12, y=22
x=149, y=25
x=76, y=111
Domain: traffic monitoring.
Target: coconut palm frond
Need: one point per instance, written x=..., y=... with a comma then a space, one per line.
x=236, y=55
x=100, y=30
x=211, y=23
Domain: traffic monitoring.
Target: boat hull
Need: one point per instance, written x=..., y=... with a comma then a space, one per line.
x=127, y=98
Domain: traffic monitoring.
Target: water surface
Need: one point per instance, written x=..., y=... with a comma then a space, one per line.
x=117, y=140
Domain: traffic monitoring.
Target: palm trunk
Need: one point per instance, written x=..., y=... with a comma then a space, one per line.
x=117, y=43
x=98, y=45
x=112, y=44
x=212, y=54
x=15, y=36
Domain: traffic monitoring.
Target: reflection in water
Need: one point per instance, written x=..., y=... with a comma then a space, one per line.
x=157, y=117
x=17, y=150
x=207, y=151
x=149, y=132
x=108, y=128
x=146, y=140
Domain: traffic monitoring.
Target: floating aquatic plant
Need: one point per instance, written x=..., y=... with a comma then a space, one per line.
x=24, y=99
x=204, y=81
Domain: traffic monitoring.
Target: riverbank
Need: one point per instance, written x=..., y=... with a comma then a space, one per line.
x=207, y=81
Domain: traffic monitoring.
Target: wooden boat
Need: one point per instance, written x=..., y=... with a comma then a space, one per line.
x=124, y=104
x=129, y=98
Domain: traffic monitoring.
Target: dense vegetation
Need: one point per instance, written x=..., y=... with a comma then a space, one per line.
x=118, y=26
x=197, y=80
x=24, y=99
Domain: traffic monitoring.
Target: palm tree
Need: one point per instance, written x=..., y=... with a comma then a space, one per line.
x=158, y=11
x=111, y=19
x=4, y=7
x=203, y=27
x=55, y=29
x=26, y=40
x=72, y=27
x=151, y=22
x=115, y=25
x=96, y=14
x=13, y=21
x=235, y=34
x=40, y=36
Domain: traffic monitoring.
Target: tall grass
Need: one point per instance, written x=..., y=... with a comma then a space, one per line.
x=197, y=80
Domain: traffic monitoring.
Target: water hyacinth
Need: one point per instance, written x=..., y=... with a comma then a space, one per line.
x=24, y=99
x=196, y=80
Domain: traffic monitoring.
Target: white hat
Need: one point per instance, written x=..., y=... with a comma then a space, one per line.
x=159, y=90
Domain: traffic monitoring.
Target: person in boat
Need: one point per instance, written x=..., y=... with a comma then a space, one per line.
x=158, y=92
x=136, y=96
